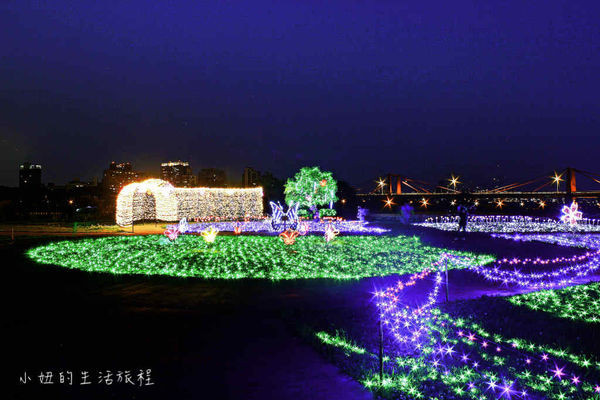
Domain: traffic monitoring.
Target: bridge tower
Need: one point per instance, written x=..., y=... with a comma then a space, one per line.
x=571, y=186
x=398, y=184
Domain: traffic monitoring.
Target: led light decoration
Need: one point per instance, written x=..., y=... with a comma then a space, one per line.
x=438, y=356
x=579, y=267
x=289, y=236
x=237, y=230
x=511, y=224
x=408, y=325
x=578, y=303
x=183, y=226
x=172, y=233
x=459, y=359
x=237, y=257
x=210, y=234
x=570, y=214
x=155, y=199
x=304, y=227
x=280, y=220
x=311, y=188
x=330, y=233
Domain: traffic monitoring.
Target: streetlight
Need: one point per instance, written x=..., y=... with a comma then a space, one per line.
x=389, y=202
x=381, y=184
x=557, y=179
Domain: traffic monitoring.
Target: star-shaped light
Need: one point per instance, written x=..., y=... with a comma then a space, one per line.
x=389, y=202
x=558, y=372
x=570, y=214
x=454, y=181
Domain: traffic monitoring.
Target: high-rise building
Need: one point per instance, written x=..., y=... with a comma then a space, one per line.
x=119, y=175
x=251, y=177
x=212, y=177
x=178, y=173
x=30, y=176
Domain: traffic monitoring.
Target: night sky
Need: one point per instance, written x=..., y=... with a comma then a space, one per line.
x=362, y=88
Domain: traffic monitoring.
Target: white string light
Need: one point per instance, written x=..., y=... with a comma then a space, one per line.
x=155, y=199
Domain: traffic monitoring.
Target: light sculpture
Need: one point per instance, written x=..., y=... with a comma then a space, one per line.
x=570, y=214
x=289, y=236
x=172, y=233
x=183, y=226
x=310, y=188
x=330, y=233
x=155, y=199
x=210, y=234
x=280, y=220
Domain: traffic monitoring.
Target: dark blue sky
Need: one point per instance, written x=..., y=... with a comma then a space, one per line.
x=359, y=87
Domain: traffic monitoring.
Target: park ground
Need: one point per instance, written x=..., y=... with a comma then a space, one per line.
x=203, y=339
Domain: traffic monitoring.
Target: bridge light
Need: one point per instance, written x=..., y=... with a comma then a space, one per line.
x=454, y=181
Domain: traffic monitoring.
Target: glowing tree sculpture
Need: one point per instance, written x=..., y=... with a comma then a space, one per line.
x=311, y=188
x=570, y=214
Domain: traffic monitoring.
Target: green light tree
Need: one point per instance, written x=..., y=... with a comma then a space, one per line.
x=311, y=188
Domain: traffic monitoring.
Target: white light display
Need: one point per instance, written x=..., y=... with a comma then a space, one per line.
x=516, y=223
x=155, y=199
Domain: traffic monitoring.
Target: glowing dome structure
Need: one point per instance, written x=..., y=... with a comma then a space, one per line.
x=155, y=199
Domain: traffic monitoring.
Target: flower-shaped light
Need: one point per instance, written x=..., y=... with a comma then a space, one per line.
x=172, y=233
x=209, y=234
x=237, y=230
x=570, y=214
x=330, y=233
x=289, y=236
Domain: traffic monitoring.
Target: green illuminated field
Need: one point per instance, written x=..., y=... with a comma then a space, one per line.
x=236, y=257
x=576, y=302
